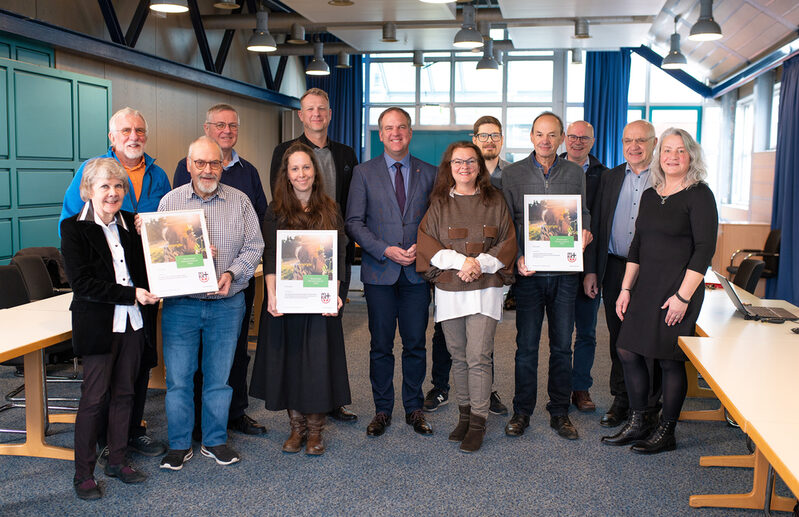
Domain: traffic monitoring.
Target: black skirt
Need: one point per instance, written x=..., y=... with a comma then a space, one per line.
x=300, y=363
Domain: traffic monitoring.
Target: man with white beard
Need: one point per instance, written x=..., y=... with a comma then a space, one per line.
x=127, y=131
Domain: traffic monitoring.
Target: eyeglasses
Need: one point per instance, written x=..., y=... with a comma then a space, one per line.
x=583, y=139
x=221, y=125
x=215, y=165
x=457, y=162
x=639, y=141
x=483, y=137
x=126, y=131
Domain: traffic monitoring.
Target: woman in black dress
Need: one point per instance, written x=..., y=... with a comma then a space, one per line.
x=662, y=293
x=300, y=364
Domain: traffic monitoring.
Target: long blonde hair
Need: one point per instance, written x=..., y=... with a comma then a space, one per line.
x=697, y=170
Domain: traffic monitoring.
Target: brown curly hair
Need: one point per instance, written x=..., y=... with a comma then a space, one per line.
x=445, y=181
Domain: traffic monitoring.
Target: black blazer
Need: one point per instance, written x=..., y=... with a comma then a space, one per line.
x=95, y=291
x=596, y=253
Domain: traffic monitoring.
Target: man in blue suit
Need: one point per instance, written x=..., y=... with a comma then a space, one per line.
x=387, y=199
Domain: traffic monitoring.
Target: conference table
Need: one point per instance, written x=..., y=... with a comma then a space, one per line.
x=748, y=364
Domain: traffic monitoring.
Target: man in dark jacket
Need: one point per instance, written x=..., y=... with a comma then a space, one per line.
x=579, y=141
x=336, y=162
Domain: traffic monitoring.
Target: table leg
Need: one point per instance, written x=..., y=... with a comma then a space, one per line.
x=35, y=417
x=707, y=415
x=738, y=460
x=694, y=390
x=754, y=500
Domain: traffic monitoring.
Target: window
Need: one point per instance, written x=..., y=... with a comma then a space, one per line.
x=688, y=119
x=392, y=82
x=473, y=85
x=435, y=82
x=742, y=152
x=522, y=87
x=775, y=116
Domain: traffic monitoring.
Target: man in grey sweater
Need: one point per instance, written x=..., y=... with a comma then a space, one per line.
x=554, y=292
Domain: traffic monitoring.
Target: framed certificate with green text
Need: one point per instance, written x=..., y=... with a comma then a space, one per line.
x=177, y=253
x=553, y=239
x=306, y=276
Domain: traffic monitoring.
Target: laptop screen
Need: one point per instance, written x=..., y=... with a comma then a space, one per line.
x=732, y=294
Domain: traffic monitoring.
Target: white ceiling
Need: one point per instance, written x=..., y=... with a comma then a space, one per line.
x=750, y=27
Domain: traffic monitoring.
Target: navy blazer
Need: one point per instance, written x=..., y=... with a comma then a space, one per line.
x=602, y=213
x=374, y=220
x=95, y=292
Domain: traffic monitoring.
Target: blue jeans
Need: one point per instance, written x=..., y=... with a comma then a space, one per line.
x=407, y=305
x=185, y=322
x=536, y=295
x=585, y=313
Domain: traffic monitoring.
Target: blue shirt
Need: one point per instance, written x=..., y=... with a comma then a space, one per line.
x=623, y=228
x=392, y=171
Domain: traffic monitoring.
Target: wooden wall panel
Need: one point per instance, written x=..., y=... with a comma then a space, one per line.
x=735, y=236
x=762, y=186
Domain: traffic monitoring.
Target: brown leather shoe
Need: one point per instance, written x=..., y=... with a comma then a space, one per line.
x=474, y=436
x=299, y=432
x=582, y=399
x=459, y=432
x=315, y=445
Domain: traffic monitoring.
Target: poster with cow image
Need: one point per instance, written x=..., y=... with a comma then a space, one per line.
x=177, y=253
x=553, y=232
x=306, y=271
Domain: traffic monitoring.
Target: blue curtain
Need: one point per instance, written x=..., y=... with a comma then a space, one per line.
x=345, y=88
x=607, y=79
x=785, y=210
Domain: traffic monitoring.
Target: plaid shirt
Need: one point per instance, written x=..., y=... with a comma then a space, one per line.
x=232, y=228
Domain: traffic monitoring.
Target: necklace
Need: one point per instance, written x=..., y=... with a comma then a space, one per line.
x=674, y=191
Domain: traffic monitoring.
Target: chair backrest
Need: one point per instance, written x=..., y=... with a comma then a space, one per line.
x=54, y=261
x=35, y=275
x=772, y=245
x=13, y=292
x=748, y=274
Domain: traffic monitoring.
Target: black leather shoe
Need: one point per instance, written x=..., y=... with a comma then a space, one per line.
x=417, y=420
x=563, y=426
x=661, y=440
x=125, y=473
x=246, y=425
x=517, y=424
x=87, y=489
x=616, y=415
x=636, y=428
x=378, y=424
x=343, y=414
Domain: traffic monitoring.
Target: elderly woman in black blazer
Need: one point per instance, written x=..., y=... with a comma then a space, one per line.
x=112, y=319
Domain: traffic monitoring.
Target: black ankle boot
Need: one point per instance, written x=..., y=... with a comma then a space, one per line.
x=661, y=440
x=636, y=428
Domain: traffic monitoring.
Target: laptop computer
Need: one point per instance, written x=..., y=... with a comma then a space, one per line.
x=750, y=311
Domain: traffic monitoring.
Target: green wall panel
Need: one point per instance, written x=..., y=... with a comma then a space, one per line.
x=39, y=231
x=425, y=144
x=5, y=50
x=41, y=187
x=5, y=188
x=3, y=112
x=46, y=130
x=34, y=57
x=6, y=243
x=93, y=105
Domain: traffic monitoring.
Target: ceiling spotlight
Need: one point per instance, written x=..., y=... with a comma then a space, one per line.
x=488, y=62
x=705, y=28
x=389, y=32
x=468, y=37
x=169, y=6
x=226, y=4
x=577, y=56
x=581, y=29
x=261, y=40
x=675, y=59
x=317, y=66
x=343, y=60
x=418, y=58
x=340, y=3
x=498, y=56
x=297, y=36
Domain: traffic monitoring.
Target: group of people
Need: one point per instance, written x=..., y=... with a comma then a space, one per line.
x=457, y=228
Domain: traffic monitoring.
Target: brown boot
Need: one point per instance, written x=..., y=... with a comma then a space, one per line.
x=299, y=432
x=474, y=436
x=463, y=424
x=316, y=444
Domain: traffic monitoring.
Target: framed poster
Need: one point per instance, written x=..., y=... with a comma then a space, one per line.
x=553, y=232
x=177, y=253
x=307, y=278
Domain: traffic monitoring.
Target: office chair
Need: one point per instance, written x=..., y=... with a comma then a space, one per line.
x=749, y=272
x=770, y=254
x=52, y=259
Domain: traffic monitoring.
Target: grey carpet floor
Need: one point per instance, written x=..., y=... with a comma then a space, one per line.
x=400, y=473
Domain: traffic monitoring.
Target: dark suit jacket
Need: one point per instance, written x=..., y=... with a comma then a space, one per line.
x=345, y=160
x=374, y=220
x=95, y=291
x=596, y=253
x=592, y=177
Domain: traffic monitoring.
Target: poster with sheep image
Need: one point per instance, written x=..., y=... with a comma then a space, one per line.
x=553, y=233
x=177, y=253
x=306, y=271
